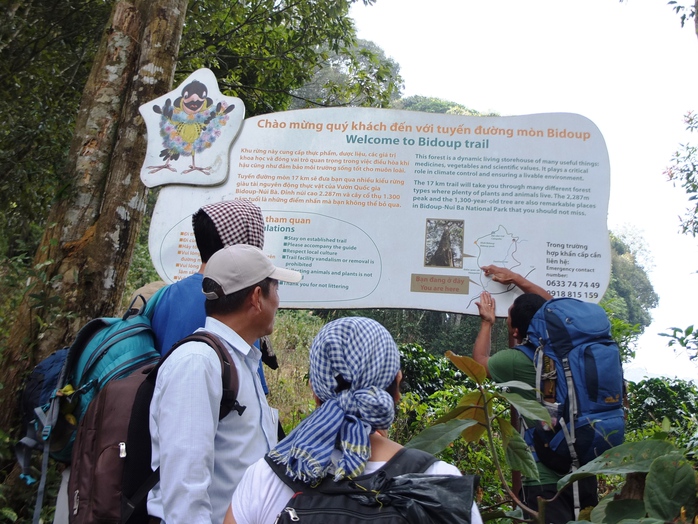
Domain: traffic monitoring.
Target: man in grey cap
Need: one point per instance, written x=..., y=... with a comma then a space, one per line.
x=202, y=459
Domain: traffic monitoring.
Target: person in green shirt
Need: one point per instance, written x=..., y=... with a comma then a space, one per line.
x=511, y=364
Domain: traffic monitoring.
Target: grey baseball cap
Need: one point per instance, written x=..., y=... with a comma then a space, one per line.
x=236, y=267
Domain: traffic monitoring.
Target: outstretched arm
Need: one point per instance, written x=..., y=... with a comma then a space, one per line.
x=482, y=347
x=506, y=277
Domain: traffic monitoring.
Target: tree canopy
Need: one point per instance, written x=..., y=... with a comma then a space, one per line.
x=630, y=295
x=342, y=79
x=261, y=51
x=430, y=104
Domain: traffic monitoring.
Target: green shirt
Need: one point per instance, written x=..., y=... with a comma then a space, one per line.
x=512, y=364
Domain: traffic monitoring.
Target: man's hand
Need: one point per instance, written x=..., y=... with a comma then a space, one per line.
x=486, y=307
x=508, y=277
x=500, y=274
x=481, y=348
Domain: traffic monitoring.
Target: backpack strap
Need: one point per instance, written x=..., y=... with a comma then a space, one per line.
x=231, y=385
x=229, y=403
x=149, y=309
x=406, y=460
x=531, y=351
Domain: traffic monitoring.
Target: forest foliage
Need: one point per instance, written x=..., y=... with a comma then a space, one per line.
x=276, y=56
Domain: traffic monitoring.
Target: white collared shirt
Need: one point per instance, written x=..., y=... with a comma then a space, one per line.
x=202, y=460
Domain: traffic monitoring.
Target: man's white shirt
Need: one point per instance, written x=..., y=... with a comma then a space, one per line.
x=202, y=460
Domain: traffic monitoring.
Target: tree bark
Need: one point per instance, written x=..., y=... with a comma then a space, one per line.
x=86, y=249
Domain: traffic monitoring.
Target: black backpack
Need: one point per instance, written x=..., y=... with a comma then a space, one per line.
x=111, y=474
x=398, y=492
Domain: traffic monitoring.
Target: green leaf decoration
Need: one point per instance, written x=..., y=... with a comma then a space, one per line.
x=528, y=408
x=617, y=510
x=631, y=457
x=437, y=438
x=468, y=366
x=519, y=456
x=670, y=486
x=516, y=384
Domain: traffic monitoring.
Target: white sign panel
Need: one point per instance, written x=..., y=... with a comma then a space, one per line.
x=400, y=209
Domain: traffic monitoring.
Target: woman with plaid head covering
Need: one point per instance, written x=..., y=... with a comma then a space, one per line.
x=355, y=376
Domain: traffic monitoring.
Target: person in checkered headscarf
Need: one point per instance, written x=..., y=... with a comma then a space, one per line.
x=355, y=378
x=180, y=308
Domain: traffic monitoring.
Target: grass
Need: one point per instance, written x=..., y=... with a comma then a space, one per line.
x=289, y=390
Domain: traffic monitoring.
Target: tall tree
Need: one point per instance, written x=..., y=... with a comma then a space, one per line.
x=430, y=104
x=684, y=171
x=86, y=248
x=260, y=50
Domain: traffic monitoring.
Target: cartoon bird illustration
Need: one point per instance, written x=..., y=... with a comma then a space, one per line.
x=190, y=126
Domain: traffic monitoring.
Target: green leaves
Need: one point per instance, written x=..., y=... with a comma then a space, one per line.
x=669, y=485
x=531, y=409
x=632, y=457
x=474, y=415
x=467, y=365
x=684, y=172
x=266, y=51
x=437, y=438
x=516, y=451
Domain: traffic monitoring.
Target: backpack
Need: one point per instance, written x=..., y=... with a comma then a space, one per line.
x=396, y=493
x=579, y=378
x=111, y=474
x=57, y=393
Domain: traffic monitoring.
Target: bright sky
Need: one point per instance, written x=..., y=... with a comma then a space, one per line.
x=629, y=67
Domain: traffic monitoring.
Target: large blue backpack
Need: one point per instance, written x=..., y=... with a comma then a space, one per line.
x=579, y=378
x=59, y=390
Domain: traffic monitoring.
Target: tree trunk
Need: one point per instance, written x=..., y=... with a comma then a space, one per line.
x=86, y=249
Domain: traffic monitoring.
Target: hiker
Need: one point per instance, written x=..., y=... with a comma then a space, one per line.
x=202, y=459
x=511, y=364
x=215, y=226
x=355, y=377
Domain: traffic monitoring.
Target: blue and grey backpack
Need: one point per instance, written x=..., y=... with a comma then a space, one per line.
x=59, y=390
x=579, y=377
